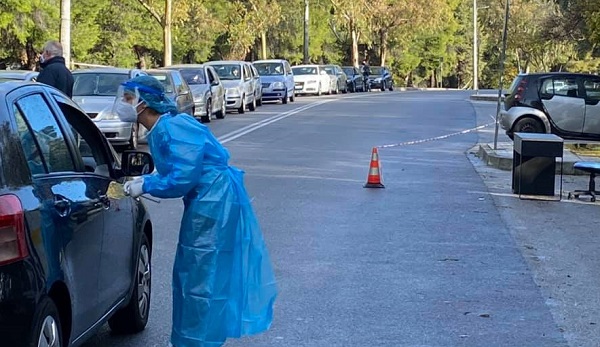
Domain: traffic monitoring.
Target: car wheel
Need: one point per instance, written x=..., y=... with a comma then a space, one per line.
x=134, y=317
x=391, y=87
x=252, y=105
x=206, y=119
x=222, y=111
x=47, y=330
x=293, y=97
x=133, y=140
x=319, y=92
x=528, y=125
x=259, y=102
x=284, y=100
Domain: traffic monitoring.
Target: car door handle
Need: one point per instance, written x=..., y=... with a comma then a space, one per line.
x=62, y=205
x=102, y=201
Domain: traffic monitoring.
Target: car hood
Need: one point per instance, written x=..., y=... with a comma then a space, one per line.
x=305, y=78
x=94, y=104
x=272, y=79
x=232, y=84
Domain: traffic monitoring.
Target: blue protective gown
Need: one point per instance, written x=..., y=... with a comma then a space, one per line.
x=223, y=282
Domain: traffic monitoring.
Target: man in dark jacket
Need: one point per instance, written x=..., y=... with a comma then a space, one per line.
x=54, y=71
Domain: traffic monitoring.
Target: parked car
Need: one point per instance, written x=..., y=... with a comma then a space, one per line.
x=354, y=79
x=94, y=90
x=311, y=79
x=176, y=89
x=258, y=93
x=565, y=104
x=381, y=78
x=73, y=253
x=277, y=79
x=18, y=75
x=339, y=76
x=239, y=84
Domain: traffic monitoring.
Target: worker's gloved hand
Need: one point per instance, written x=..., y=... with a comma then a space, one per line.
x=134, y=188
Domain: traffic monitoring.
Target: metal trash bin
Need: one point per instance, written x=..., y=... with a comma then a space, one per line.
x=534, y=163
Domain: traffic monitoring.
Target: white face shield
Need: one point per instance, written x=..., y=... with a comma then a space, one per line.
x=126, y=103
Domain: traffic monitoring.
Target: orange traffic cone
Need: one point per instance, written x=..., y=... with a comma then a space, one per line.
x=374, y=178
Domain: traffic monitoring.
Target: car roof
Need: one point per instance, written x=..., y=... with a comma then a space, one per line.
x=307, y=65
x=7, y=87
x=182, y=66
x=562, y=73
x=227, y=62
x=269, y=61
x=17, y=73
x=105, y=70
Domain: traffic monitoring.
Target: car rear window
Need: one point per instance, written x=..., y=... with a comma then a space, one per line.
x=193, y=76
x=269, y=69
x=376, y=71
x=514, y=84
x=97, y=84
x=165, y=81
x=309, y=70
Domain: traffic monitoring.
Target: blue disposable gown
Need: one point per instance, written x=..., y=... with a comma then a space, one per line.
x=223, y=281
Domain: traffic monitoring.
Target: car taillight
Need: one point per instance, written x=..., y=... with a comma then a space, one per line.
x=13, y=245
x=520, y=90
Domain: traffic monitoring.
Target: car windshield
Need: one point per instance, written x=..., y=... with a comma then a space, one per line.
x=164, y=80
x=269, y=69
x=330, y=70
x=376, y=71
x=229, y=72
x=97, y=84
x=349, y=71
x=305, y=70
x=193, y=76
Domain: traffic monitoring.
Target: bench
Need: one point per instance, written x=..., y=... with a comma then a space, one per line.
x=593, y=168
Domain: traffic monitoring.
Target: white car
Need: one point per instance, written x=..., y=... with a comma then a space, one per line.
x=311, y=79
x=239, y=84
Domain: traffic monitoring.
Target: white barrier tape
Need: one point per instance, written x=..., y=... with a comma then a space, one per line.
x=407, y=143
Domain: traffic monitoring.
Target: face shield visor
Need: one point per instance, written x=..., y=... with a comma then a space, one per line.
x=126, y=103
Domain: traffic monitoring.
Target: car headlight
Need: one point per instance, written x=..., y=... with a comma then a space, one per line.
x=311, y=82
x=108, y=114
x=232, y=92
x=278, y=85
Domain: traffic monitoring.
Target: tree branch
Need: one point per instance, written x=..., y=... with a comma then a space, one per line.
x=153, y=12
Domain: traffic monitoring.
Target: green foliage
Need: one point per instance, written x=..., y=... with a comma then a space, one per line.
x=424, y=42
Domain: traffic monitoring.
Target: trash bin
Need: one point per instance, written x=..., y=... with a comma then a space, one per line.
x=534, y=163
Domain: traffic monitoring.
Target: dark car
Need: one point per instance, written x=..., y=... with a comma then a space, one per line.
x=565, y=104
x=354, y=79
x=73, y=254
x=176, y=88
x=381, y=78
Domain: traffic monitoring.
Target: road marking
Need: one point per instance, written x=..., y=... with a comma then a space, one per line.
x=263, y=123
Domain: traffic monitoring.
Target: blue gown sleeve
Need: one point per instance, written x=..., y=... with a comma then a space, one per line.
x=182, y=152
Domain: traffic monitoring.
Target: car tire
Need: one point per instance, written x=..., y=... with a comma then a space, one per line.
x=133, y=140
x=252, y=105
x=133, y=318
x=284, y=100
x=222, y=112
x=206, y=119
x=293, y=97
x=319, y=92
x=391, y=89
x=259, y=101
x=47, y=329
x=528, y=125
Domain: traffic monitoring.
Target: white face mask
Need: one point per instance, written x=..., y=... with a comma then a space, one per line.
x=42, y=59
x=126, y=112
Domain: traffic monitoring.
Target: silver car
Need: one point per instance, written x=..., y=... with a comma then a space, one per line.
x=17, y=75
x=207, y=88
x=238, y=82
x=258, y=91
x=94, y=90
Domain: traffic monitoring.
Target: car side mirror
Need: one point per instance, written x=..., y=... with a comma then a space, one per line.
x=136, y=163
x=214, y=83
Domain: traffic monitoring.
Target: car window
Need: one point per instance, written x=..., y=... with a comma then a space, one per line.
x=89, y=141
x=288, y=68
x=228, y=71
x=592, y=88
x=211, y=77
x=306, y=70
x=179, y=86
x=46, y=132
x=29, y=145
x=193, y=76
x=165, y=81
x=97, y=84
x=565, y=87
x=247, y=73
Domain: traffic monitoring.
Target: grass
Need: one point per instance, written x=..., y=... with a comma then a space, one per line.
x=588, y=150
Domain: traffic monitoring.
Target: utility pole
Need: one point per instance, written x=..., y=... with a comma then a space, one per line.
x=306, y=24
x=65, y=30
x=475, y=55
x=502, y=58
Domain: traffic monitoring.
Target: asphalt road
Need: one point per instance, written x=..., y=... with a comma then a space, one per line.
x=427, y=261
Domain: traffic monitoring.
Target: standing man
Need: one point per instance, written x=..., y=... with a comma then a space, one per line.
x=54, y=71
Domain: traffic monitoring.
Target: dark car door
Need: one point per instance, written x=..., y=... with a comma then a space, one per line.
x=115, y=271
x=72, y=215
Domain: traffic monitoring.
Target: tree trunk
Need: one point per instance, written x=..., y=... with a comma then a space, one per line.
x=65, y=30
x=263, y=43
x=354, y=44
x=432, y=79
x=167, y=33
x=383, y=36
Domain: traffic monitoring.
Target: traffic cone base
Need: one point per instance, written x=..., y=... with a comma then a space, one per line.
x=374, y=178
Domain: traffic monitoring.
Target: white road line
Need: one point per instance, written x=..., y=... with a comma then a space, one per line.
x=263, y=123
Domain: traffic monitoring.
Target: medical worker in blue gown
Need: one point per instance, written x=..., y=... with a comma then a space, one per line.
x=223, y=282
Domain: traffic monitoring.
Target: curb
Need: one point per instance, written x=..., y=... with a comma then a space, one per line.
x=485, y=97
x=502, y=159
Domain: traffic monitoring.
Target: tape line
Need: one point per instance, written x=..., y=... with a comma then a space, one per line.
x=442, y=137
